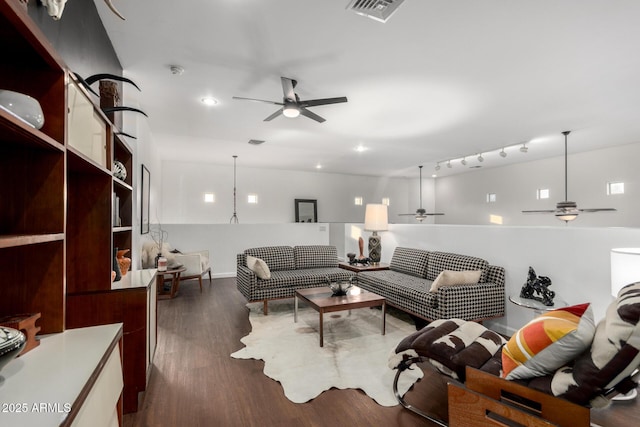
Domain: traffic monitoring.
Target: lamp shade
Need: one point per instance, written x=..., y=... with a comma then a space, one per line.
x=625, y=268
x=376, y=218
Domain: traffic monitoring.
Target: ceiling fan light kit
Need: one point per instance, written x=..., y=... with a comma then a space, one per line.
x=566, y=210
x=292, y=105
x=421, y=213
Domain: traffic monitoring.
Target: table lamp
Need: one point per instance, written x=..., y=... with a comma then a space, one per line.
x=625, y=268
x=375, y=219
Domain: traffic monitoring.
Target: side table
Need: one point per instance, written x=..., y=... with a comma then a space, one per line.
x=536, y=305
x=359, y=267
x=175, y=282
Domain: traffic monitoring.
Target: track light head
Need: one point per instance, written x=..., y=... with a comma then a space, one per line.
x=449, y=164
x=524, y=148
x=503, y=154
x=463, y=161
x=480, y=158
x=438, y=166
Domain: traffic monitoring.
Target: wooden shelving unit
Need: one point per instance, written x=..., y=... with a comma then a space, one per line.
x=57, y=226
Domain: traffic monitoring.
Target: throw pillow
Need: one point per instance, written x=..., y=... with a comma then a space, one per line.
x=548, y=342
x=259, y=267
x=455, y=278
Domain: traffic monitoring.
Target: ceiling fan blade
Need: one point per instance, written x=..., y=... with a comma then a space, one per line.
x=287, y=88
x=598, y=210
x=541, y=211
x=432, y=213
x=325, y=101
x=411, y=214
x=273, y=116
x=257, y=100
x=311, y=115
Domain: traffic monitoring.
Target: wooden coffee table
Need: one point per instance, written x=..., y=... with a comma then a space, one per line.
x=322, y=300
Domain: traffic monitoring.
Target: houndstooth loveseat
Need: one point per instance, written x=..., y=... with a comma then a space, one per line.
x=291, y=268
x=407, y=283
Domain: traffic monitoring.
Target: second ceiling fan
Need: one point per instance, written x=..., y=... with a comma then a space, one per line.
x=292, y=105
x=566, y=210
x=421, y=213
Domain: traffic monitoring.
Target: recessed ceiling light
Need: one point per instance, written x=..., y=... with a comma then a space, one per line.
x=318, y=166
x=360, y=148
x=209, y=101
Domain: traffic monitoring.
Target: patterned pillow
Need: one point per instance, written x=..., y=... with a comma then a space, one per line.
x=455, y=278
x=259, y=267
x=409, y=261
x=315, y=256
x=548, y=342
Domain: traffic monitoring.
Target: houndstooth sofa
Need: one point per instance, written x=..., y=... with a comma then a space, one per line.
x=407, y=282
x=291, y=268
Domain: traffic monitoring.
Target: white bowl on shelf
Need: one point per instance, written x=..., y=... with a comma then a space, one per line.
x=23, y=107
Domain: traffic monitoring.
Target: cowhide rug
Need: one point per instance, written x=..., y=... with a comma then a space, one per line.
x=355, y=354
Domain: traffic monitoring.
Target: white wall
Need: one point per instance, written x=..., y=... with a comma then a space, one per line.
x=184, y=185
x=463, y=197
x=577, y=259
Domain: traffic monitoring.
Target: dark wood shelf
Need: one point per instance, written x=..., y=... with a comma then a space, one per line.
x=122, y=229
x=13, y=241
x=78, y=162
x=122, y=184
x=16, y=131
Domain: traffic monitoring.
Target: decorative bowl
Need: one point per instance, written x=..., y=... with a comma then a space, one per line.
x=22, y=106
x=340, y=288
x=12, y=341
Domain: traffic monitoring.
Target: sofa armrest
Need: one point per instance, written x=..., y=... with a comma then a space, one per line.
x=471, y=302
x=246, y=282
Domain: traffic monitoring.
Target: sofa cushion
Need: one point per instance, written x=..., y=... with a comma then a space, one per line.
x=304, y=277
x=259, y=267
x=548, y=342
x=438, y=261
x=276, y=257
x=314, y=256
x=399, y=288
x=410, y=261
x=455, y=278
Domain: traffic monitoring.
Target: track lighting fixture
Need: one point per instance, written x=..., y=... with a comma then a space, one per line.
x=438, y=166
x=524, y=148
x=503, y=154
x=449, y=164
x=464, y=161
x=480, y=158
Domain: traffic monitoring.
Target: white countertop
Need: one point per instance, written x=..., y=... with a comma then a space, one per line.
x=38, y=388
x=135, y=279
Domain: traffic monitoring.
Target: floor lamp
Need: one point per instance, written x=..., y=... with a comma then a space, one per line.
x=375, y=219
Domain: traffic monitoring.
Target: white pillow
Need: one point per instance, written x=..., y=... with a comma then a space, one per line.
x=455, y=278
x=259, y=267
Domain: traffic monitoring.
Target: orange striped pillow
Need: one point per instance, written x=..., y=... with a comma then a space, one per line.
x=548, y=342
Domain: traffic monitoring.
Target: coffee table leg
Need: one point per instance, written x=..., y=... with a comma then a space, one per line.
x=295, y=309
x=384, y=315
x=321, y=328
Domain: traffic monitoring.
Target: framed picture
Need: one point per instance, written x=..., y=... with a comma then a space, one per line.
x=144, y=201
x=306, y=210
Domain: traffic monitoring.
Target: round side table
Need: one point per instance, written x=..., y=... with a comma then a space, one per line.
x=537, y=306
x=174, y=274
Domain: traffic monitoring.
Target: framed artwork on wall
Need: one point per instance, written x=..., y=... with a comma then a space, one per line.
x=306, y=210
x=144, y=201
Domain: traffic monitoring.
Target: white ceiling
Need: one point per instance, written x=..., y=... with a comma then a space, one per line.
x=439, y=80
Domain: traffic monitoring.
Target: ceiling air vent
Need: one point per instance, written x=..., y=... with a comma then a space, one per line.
x=255, y=141
x=380, y=10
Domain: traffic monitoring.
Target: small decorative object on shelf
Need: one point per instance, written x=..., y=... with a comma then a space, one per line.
x=25, y=323
x=116, y=266
x=123, y=261
x=162, y=263
x=119, y=171
x=23, y=107
x=537, y=285
x=339, y=288
x=352, y=258
x=12, y=341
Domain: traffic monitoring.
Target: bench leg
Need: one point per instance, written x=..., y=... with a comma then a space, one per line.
x=265, y=308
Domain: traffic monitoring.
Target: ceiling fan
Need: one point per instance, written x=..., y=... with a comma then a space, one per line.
x=292, y=105
x=421, y=213
x=566, y=210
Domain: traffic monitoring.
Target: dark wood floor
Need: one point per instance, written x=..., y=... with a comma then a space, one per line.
x=194, y=382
